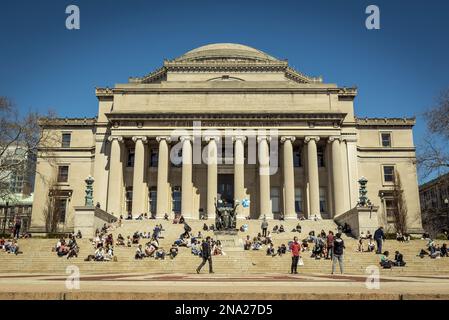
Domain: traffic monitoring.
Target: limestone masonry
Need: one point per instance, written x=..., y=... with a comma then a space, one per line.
x=306, y=129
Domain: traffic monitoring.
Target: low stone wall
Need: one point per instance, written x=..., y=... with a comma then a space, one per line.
x=88, y=219
x=360, y=220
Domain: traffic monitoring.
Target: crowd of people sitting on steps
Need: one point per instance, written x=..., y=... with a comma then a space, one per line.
x=68, y=248
x=9, y=246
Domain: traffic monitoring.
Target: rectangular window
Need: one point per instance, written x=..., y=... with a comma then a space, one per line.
x=386, y=139
x=390, y=209
x=274, y=196
x=154, y=157
x=388, y=173
x=176, y=195
x=130, y=160
x=153, y=200
x=323, y=202
x=61, y=209
x=298, y=200
x=66, y=138
x=297, y=157
x=320, y=154
x=129, y=199
x=63, y=173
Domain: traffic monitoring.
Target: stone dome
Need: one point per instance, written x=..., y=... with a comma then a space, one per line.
x=225, y=52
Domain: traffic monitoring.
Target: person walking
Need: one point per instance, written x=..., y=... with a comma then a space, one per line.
x=264, y=227
x=337, y=255
x=295, y=248
x=379, y=236
x=206, y=254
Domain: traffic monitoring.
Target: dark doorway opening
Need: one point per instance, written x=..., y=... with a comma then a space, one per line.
x=225, y=189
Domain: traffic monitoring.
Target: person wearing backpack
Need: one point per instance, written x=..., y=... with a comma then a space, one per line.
x=338, y=250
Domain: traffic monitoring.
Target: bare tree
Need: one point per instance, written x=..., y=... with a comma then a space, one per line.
x=52, y=211
x=434, y=153
x=20, y=140
x=400, y=214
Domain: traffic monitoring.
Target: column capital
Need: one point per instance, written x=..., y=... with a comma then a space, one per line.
x=118, y=138
x=309, y=138
x=334, y=138
x=143, y=138
x=235, y=138
x=185, y=138
x=166, y=138
x=209, y=138
x=262, y=138
x=285, y=138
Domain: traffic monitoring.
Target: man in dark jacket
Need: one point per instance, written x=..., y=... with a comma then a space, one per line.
x=379, y=236
x=206, y=255
x=337, y=255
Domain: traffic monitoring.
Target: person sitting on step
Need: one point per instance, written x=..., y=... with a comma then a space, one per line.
x=305, y=245
x=360, y=244
x=276, y=229
x=384, y=261
x=256, y=244
x=247, y=244
x=139, y=253
x=196, y=248
x=99, y=254
x=399, y=259
x=281, y=229
x=371, y=246
x=160, y=254
x=205, y=227
x=136, y=238
x=173, y=251
x=444, y=251
x=270, y=250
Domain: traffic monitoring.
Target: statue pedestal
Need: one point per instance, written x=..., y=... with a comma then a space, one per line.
x=360, y=219
x=226, y=232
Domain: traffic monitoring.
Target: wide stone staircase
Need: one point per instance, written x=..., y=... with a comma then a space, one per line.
x=37, y=256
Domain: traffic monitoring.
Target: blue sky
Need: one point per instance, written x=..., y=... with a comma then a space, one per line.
x=399, y=69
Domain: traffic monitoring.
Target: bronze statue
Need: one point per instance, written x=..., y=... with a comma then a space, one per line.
x=225, y=217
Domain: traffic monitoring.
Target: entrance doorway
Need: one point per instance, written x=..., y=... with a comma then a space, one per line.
x=225, y=188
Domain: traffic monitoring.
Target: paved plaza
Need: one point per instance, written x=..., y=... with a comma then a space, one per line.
x=194, y=287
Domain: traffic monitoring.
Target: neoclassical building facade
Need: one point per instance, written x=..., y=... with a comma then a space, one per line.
x=230, y=122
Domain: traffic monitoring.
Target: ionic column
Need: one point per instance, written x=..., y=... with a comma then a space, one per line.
x=289, y=178
x=314, y=185
x=239, y=173
x=337, y=175
x=139, y=184
x=115, y=176
x=187, y=186
x=264, y=178
x=162, y=177
x=211, y=174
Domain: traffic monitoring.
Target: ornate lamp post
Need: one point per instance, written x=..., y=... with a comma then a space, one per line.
x=89, y=199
